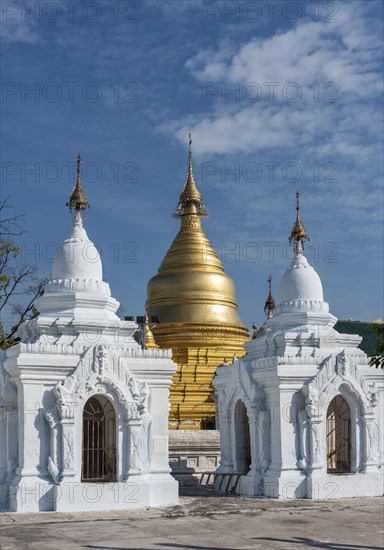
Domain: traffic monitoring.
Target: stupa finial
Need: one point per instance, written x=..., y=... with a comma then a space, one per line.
x=190, y=153
x=150, y=342
x=77, y=201
x=190, y=201
x=270, y=304
x=298, y=234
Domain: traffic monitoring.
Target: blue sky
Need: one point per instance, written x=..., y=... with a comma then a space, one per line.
x=277, y=98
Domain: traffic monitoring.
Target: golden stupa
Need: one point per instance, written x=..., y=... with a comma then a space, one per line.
x=195, y=303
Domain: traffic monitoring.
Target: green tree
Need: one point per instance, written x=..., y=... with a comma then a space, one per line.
x=20, y=284
x=377, y=360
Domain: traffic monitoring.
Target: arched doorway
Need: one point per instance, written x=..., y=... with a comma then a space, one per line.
x=99, y=438
x=338, y=436
x=243, y=440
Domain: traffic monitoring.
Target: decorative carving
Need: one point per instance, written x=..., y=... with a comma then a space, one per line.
x=8, y=390
x=52, y=417
x=303, y=425
x=96, y=374
x=53, y=470
x=139, y=393
x=100, y=371
x=335, y=371
x=63, y=392
x=139, y=459
x=372, y=394
x=372, y=442
x=342, y=364
x=68, y=458
x=69, y=349
x=315, y=443
x=312, y=397
x=101, y=359
x=244, y=386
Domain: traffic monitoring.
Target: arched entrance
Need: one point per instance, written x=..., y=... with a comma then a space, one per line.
x=99, y=439
x=243, y=440
x=338, y=436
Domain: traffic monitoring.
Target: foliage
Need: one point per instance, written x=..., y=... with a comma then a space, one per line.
x=20, y=284
x=377, y=360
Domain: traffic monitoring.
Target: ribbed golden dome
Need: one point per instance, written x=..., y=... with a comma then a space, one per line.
x=196, y=304
x=191, y=285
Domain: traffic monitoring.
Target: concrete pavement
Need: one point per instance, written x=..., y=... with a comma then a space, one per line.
x=206, y=523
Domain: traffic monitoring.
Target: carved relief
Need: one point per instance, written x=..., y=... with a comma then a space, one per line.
x=100, y=371
x=303, y=426
x=370, y=389
x=9, y=426
x=315, y=444
x=334, y=371
x=139, y=459
x=52, y=417
x=101, y=359
x=8, y=390
x=372, y=442
x=68, y=449
x=342, y=364
x=96, y=375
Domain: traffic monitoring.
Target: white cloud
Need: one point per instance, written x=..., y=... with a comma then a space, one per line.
x=347, y=132
x=345, y=53
x=15, y=28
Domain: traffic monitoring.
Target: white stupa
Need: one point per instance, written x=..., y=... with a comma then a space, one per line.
x=84, y=409
x=301, y=415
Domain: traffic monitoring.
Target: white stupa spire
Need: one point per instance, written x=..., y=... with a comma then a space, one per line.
x=76, y=289
x=79, y=260
x=300, y=286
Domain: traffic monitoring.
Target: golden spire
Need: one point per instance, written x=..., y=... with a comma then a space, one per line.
x=298, y=234
x=190, y=201
x=191, y=286
x=196, y=307
x=77, y=200
x=270, y=304
x=150, y=342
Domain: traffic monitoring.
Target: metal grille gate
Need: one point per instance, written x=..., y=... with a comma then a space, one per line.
x=338, y=436
x=99, y=433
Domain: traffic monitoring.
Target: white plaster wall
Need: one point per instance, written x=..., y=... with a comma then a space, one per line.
x=33, y=488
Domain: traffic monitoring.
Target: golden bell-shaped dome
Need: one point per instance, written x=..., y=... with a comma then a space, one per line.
x=195, y=303
x=191, y=285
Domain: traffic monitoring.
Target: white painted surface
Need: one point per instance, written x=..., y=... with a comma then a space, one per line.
x=76, y=348
x=288, y=378
x=300, y=282
x=78, y=257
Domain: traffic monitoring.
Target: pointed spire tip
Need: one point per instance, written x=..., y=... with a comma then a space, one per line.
x=190, y=201
x=270, y=304
x=298, y=234
x=78, y=200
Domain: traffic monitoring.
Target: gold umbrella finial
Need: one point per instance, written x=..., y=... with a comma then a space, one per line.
x=78, y=162
x=190, y=153
x=190, y=201
x=298, y=234
x=270, y=304
x=150, y=342
x=77, y=200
